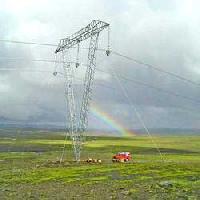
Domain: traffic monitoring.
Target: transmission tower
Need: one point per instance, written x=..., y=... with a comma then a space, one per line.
x=78, y=121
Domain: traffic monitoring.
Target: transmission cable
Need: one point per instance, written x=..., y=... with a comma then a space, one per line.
x=153, y=87
x=117, y=54
x=182, y=108
x=157, y=68
x=40, y=44
x=137, y=82
x=30, y=43
x=133, y=107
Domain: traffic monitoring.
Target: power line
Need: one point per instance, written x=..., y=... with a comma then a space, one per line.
x=38, y=60
x=133, y=107
x=31, y=60
x=160, y=89
x=23, y=70
x=182, y=108
x=124, y=78
x=157, y=68
x=177, y=76
x=40, y=44
x=153, y=87
x=105, y=86
x=29, y=43
x=137, y=82
x=157, y=89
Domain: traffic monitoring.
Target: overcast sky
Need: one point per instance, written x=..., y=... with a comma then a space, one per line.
x=159, y=32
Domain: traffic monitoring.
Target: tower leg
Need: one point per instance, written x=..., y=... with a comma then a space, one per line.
x=89, y=77
x=72, y=117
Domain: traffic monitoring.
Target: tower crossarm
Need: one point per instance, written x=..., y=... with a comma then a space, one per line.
x=91, y=29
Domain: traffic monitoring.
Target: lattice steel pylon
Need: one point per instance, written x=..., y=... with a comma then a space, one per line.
x=78, y=122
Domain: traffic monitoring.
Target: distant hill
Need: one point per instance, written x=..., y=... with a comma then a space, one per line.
x=8, y=129
x=171, y=131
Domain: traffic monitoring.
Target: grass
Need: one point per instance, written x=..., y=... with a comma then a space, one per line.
x=27, y=170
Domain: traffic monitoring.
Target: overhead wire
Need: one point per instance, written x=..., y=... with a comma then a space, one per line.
x=29, y=43
x=80, y=79
x=157, y=68
x=133, y=107
x=30, y=60
x=137, y=82
x=144, y=64
x=153, y=87
x=38, y=44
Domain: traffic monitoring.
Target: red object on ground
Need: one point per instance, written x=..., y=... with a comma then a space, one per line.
x=122, y=157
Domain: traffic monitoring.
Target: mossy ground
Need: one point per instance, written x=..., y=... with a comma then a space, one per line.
x=28, y=171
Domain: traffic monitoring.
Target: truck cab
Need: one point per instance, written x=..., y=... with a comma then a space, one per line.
x=121, y=157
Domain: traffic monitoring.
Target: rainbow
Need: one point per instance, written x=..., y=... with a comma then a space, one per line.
x=109, y=120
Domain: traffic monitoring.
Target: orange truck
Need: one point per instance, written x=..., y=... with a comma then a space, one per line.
x=122, y=157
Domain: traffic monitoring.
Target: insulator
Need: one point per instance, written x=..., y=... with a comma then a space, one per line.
x=77, y=56
x=108, y=52
x=55, y=73
x=108, y=49
x=77, y=65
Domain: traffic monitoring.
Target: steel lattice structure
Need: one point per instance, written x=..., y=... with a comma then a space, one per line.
x=78, y=121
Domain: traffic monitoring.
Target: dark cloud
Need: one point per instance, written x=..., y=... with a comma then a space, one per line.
x=163, y=34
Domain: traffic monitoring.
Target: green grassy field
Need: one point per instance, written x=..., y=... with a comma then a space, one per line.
x=28, y=170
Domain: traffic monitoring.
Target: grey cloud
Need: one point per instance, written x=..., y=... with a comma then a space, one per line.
x=162, y=34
